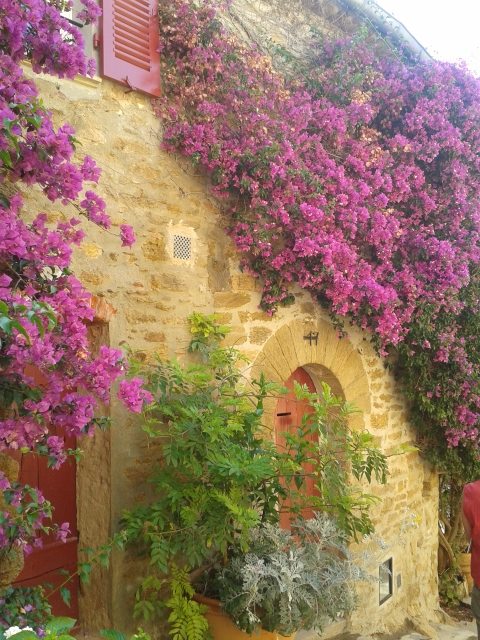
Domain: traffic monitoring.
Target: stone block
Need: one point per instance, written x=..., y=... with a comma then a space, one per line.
x=136, y=316
x=231, y=300
x=91, y=278
x=286, y=341
x=247, y=316
x=91, y=249
x=275, y=357
x=154, y=249
x=259, y=335
x=155, y=336
x=337, y=351
x=351, y=371
x=168, y=282
x=243, y=282
x=298, y=330
x=379, y=420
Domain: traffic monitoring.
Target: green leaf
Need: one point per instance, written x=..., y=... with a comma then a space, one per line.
x=6, y=159
x=84, y=571
x=16, y=325
x=26, y=635
x=112, y=634
x=66, y=595
x=4, y=201
x=6, y=324
x=59, y=625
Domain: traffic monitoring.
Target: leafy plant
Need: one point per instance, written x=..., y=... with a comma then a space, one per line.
x=23, y=606
x=451, y=586
x=289, y=580
x=219, y=475
x=112, y=634
x=55, y=629
x=24, y=515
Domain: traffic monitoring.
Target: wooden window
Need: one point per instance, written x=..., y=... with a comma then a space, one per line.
x=130, y=44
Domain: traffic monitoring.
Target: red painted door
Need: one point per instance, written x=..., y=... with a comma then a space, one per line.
x=47, y=565
x=289, y=415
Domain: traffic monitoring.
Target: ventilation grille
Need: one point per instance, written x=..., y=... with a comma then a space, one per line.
x=182, y=247
x=130, y=26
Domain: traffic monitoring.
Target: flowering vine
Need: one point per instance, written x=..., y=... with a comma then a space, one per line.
x=356, y=176
x=50, y=383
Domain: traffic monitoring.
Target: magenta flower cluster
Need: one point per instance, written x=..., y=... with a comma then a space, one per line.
x=28, y=515
x=356, y=177
x=50, y=382
x=133, y=395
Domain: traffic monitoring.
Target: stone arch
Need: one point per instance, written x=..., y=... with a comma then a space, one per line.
x=334, y=360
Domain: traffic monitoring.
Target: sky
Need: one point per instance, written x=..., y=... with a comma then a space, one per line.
x=449, y=30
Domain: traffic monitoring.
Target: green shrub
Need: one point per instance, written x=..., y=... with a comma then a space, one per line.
x=219, y=476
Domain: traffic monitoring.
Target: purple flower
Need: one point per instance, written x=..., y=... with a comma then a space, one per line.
x=127, y=235
x=63, y=531
x=133, y=395
x=90, y=13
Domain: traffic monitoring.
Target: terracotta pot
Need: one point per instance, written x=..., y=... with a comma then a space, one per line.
x=222, y=627
x=464, y=563
x=11, y=565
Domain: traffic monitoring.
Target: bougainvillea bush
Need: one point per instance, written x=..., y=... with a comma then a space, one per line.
x=24, y=606
x=354, y=175
x=49, y=382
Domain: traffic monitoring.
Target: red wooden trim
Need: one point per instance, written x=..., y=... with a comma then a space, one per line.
x=130, y=49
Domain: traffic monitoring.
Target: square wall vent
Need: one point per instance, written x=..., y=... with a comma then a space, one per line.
x=182, y=247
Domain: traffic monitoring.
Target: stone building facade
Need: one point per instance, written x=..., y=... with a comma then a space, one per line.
x=183, y=262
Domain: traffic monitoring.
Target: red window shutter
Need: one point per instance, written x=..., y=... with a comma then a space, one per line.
x=130, y=43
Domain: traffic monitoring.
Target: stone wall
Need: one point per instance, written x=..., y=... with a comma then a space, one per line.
x=182, y=262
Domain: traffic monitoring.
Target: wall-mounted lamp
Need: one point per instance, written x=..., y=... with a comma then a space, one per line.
x=312, y=337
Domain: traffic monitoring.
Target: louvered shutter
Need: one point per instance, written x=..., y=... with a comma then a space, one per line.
x=130, y=43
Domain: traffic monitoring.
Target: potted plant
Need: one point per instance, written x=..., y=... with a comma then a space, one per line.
x=288, y=580
x=220, y=484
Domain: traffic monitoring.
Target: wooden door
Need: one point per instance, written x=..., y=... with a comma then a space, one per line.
x=289, y=414
x=48, y=564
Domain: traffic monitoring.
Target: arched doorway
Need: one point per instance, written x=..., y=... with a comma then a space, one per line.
x=289, y=413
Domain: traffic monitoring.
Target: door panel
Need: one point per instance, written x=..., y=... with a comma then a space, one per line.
x=48, y=563
x=289, y=414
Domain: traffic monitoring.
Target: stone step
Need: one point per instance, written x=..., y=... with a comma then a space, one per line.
x=460, y=631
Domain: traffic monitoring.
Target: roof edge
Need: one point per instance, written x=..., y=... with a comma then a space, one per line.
x=387, y=25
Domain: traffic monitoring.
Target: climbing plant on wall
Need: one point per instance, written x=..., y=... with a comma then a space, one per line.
x=355, y=175
x=50, y=384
